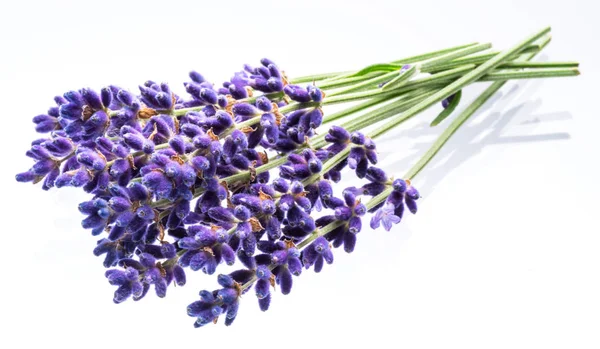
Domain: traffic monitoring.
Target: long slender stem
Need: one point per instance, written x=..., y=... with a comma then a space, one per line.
x=352, y=125
x=366, y=83
x=242, y=176
x=518, y=64
x=425, y=56
x=400, y=62
x=361, y=123
x=530, y=74
x=463, y=81
x=477, y=59
x=383, y=196
x=326, y=85
x=460, y=120
x=403, y=117
x=453, y=55
x=382, y=96
x=342, y=75
x=432, y=62
x=316, y=77
x=380, y=114
x=413, y=84
x=354, y=109
x=373, y=117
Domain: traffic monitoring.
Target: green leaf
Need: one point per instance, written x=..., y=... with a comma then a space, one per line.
x=387, y=67
x=447, y=111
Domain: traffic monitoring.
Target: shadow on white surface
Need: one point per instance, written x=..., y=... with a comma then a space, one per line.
x=488, y=126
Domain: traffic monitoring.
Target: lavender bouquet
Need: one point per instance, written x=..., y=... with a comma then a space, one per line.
x=243, y=174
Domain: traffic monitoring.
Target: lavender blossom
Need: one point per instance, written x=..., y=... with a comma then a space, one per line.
x=173, y=189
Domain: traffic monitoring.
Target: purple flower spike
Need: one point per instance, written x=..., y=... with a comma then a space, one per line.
x=399, y=185
x=180, y=182
x=315, y=93
x=297, y=93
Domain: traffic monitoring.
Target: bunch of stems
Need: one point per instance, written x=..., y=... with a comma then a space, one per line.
x=433, y=77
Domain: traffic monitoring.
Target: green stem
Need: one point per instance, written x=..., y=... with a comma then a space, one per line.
x=377, y=115
x=387, y=95
x=448, y=75
x=530, y=74
x=320, y=232
x=328, y=165
x=472, y=75
x=477, y=59
x=373, y=117
x=326, y=85
x=316, y=77
x=399, y=63
x=411, y=85
x=354, y=109
x=383, y=196
x=386, y=112
x=352, y=125
x=393, y=109
x=401, y=79
x=425, y=56
x=390, y=100
x=366, y=83
x=468, y=78
x=516, y=64
x=431, y=63
x=461, y=118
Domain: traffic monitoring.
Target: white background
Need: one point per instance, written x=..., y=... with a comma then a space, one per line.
x=503, y=253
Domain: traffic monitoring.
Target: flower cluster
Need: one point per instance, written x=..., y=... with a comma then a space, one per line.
x=185, y=183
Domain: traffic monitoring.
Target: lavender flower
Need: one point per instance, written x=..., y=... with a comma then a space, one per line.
x=173, y=189
x=385, y=216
